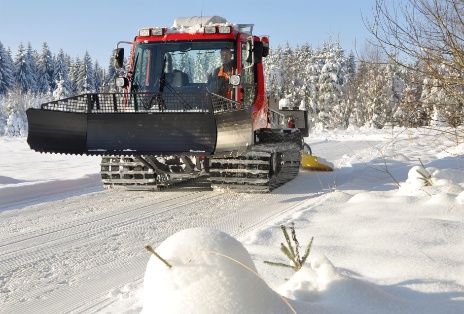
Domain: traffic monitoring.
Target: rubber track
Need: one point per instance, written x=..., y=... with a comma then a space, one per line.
x=263, y=169
x=129, y=172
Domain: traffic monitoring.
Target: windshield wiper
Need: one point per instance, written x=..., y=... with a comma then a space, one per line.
x=134, y=87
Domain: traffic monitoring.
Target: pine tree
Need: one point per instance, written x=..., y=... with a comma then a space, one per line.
x=86, y=75
x=99, y=75
x=357, y=96
x=330, y=86
x=61, y=73
x=22, y=70
x=186, y=63
x=45, y=71
x=14, y=104
x=394, y=89
x=31, y=57
x=74, y=67
x=6, y=71
x=60, y=91
x=350, y=88
x=288, y=76
x=312, y=85
x=201, y=68
x=304, y=59
x=112, y=74
x=350, y=67
x=272, y=72
x=15, y=117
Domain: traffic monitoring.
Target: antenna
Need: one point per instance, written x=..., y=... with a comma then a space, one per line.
x=201, y=14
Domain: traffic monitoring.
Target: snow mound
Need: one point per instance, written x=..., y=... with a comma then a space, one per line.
x=433, y=180
x=460, y=198
x=417, y=176
x=205, y=279
x=308, y=282
x=320, y=288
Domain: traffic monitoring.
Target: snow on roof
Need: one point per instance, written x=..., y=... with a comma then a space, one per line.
x=198, y=20
x=195, y=24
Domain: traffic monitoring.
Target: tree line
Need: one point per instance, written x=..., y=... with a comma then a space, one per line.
x=30, y=78
x=410, y=74
x=30, y=71
x=371, y=90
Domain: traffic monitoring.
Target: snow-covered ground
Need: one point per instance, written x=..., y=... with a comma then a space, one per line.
x=383, y=241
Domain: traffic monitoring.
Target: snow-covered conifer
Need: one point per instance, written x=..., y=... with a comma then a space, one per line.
x=61, y=72
x=199, y=71
x=31, y=57
x=86, y=75
x=304, y=57
x=99, y=75
x=185, y=64
x=74, y=67
x=14, y=105
x=112, y=74
x=45, y=71
x=331, y=103
x=313, y=70
x=60, y=91
x=272, y=72
x=24, y=76
x=6, y=70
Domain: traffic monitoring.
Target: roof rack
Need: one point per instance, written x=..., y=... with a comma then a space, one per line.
x=242, y=27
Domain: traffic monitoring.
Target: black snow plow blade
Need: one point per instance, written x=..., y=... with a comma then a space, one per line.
x=137, y=124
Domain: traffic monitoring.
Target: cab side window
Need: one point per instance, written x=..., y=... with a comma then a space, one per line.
x=248, y=79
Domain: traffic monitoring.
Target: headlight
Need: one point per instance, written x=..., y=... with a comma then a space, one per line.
x=234, y=80
x=210, y=29
x=224, y=29
x=121, y=82
x=144, y=32
x=157, y=32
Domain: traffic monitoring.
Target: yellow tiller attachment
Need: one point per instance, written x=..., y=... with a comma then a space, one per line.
x=309, y=162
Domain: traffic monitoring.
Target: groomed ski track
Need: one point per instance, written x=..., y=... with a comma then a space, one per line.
x=68, y=253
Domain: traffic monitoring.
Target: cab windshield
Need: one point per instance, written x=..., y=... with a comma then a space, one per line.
x=178, y=66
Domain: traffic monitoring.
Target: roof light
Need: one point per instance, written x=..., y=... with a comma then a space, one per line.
x=210, y=29
x=265, y=41
x=144, y=32
x=157, y=31
x=224, y=29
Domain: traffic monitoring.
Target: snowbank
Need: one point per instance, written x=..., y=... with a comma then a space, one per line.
x=211, y=273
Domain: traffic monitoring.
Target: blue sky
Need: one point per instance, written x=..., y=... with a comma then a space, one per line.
x=96, y=26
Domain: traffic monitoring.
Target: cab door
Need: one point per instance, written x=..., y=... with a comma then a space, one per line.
x=247, y=72
x=253, y=94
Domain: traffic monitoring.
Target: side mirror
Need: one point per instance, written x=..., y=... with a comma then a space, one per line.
x=234, y=80
x=121, y=82
x=258, y=51
x=265, y=49
x=254, y=53
x=118, y=58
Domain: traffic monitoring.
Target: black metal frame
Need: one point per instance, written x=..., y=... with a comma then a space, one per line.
x=144, y=103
